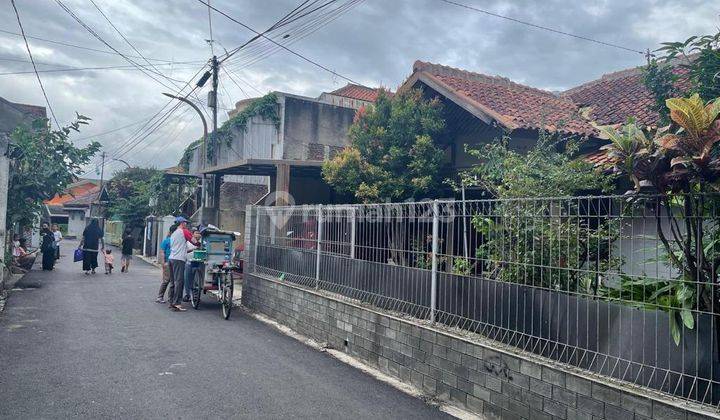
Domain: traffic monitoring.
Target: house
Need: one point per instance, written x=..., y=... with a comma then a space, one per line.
x=479, y=108
x=79, y=209
x=54, y=210
x=281, y=155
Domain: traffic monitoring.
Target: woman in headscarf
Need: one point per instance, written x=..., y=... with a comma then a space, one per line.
x=47, y=246
x=92, y=242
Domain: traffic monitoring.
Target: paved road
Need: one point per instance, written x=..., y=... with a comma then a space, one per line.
x=98, y=346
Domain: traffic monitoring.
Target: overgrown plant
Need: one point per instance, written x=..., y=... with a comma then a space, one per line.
x=684, y=68
x=683, y=169
x=528, y=238
x=265, y=107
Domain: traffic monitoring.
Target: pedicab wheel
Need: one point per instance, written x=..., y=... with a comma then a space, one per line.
x=227, y=294
x=197, y=288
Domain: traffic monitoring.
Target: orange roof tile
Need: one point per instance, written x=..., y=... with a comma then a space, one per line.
x=360, y=92
x=74, y=190
x=599, y=158
x=617, y=96
x=513, y=105
x=84, y=199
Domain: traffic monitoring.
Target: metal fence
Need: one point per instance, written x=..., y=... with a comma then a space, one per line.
x=619, y=286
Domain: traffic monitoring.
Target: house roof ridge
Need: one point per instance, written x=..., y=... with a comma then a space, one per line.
x=607, y=77
x=449, y=71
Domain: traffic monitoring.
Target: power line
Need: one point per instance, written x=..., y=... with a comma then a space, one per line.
x=127, y=41
x=282, y=46
x=72, y=69
x=121, y=35
x=27, y=46
x=66, y=44
x=212, y=48
x=544, y=28
x=299, y=32
x=111, y=131
x=99, y=38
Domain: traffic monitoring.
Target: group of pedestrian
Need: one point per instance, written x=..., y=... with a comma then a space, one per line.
x=177, y=271
x=93, y=242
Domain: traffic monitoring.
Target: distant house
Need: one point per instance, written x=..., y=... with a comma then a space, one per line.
x=54, y=209
x=80, y=208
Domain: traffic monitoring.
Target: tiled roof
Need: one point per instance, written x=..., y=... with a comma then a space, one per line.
x=360, y=92
x=33, y=110
x=599, y=158
x=85, y=199
x=513, y=105
x=615, y=97
x=73, y=191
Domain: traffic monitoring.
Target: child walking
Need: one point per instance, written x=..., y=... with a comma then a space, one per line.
x=109, y=260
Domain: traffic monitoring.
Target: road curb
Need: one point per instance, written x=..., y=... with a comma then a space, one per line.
x=360, y=365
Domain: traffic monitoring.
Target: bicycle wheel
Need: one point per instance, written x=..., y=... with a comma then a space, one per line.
x=197, y=286
x=227, y=295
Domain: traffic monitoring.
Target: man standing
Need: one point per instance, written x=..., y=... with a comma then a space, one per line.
x=191, y=266
x=178, y=256
x=165, y=260
x=58, y=238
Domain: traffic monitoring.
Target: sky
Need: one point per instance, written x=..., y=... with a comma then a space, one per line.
x=373, y=42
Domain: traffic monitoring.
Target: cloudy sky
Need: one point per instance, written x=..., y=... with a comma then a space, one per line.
x=374, y=42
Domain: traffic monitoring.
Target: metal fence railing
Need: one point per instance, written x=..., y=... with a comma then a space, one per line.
x=621, y=286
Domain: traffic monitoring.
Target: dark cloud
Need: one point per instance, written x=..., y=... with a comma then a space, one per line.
x=375, y=44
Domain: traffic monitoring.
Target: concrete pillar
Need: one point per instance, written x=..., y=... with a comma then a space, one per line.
x=282, y=183
x=212, y=200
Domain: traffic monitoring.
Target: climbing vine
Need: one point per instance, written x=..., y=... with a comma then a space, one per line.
x=265, y=107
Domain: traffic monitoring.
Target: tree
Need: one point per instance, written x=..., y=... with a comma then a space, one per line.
x=43, y=163
x=684, y=68
x=136, y=193
x=392, y=153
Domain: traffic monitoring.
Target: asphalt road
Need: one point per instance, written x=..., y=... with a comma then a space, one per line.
x=98, y=346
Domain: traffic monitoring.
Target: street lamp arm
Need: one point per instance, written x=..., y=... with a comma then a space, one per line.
x=202, y=117
x=122, y=161
x=203, y=187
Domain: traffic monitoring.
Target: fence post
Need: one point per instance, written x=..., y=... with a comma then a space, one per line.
x=319, y=244
x=433, y=275
x=352, y=232
x=257, y=237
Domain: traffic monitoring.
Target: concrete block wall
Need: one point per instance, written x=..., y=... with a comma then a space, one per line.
x=485, y=380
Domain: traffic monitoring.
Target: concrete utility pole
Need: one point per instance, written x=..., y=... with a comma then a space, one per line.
x=214, y=191
x=213, y=104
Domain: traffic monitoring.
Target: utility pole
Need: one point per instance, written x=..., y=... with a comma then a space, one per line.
x=213, y=104
x=213, y=192
x=102, y=171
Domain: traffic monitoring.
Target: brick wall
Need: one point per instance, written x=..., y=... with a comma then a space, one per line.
x=473, y=375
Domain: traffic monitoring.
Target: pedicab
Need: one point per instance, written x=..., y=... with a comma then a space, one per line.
x=216, y=266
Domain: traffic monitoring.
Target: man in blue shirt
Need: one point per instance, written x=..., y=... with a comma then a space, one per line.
x=165, y=259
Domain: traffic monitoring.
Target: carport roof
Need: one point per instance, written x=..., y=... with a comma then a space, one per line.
x=264, y=167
